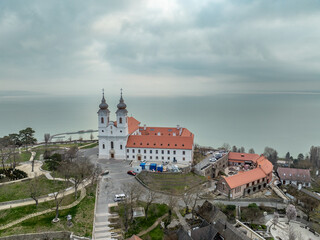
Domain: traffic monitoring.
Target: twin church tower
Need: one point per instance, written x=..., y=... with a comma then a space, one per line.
x=126, y=139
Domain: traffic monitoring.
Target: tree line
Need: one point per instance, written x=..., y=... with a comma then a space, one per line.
x=9, y=145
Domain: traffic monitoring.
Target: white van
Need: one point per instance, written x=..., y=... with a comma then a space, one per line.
x=119, y=197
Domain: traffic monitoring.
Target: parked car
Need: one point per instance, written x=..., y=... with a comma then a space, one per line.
x=119, y=197
x=212, y=159
x=130, y=172
x=106, y=172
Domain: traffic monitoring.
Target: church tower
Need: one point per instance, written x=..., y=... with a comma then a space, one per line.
x=122, y=118
x=103, y=122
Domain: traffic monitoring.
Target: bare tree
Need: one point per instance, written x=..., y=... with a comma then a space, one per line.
x=91, y=136
x=310, y=204
x=275, y=219
x=292, y=235
x=291, y=212
x=34, y=188
x=80, y=170
x=172, y=202
x=271, y=154
x=187, y=199
x=151, y=196
x=242, y=150
x=133, y=193
x=195, y=198
x=46, y=138
x=251, y=150
x=58, y=198
x=226, y=146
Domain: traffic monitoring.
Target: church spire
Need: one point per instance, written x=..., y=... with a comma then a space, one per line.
x=103, y=105
x=121, y=104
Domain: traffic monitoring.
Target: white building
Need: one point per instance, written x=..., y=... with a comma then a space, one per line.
x=125, y=139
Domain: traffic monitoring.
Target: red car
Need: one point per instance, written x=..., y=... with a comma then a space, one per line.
x=131, y=173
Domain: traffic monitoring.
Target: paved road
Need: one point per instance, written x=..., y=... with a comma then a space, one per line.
x=108, y=186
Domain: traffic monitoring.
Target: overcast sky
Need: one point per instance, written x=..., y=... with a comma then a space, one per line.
x=159, y=47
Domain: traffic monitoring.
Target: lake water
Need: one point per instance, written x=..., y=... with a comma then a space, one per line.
x=286, y=122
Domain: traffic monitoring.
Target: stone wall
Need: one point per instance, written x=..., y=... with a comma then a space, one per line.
x=40, y=236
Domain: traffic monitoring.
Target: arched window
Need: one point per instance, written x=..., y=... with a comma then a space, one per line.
x=103, y=146
x=120, y=120
x=102, y=120
x=111, y=145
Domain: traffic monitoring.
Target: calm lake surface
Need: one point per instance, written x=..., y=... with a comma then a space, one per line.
x=286, y=122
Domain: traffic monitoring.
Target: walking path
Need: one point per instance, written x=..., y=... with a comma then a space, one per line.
x=156, y=223
x=182, y=220
x=82, y=195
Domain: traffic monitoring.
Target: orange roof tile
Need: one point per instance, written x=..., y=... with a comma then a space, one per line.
x=264, y=167
x=264, y=164
x=133, y=125
x=242, y=156
x=155, y=141
x=245, y=177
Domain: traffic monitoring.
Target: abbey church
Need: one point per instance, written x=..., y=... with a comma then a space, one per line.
x=126, y=139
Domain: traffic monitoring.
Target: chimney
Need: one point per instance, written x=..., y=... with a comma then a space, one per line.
x=144, y=127
x=159, y=133
x=178, y=126
x=180, y=132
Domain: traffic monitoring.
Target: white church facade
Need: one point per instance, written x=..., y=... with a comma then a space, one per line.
x=126, y=139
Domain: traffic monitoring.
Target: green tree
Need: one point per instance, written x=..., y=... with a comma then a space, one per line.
x=27, y=136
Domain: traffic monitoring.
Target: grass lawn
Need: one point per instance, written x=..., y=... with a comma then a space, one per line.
x=10, y=215
x=90, y=146
x=20, y=190
x=176, y=183
x=155, y=234
x=141, y=223
x=24, y=156
x=82, y=219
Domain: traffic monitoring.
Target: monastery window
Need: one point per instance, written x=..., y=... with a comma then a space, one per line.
x=182, y=145
x=140, y=143
x=174, y=152
x=168, y=144
x=184, y=159
x=168, y=151
x=144, y=157
x=132, y=150
x=154, y=144
x=127, y=156
x=252, y=183
x=102, y=120
x=148, y=144
x=156, y=151
x=121, y=131
x=121, y=146
x=111, y=145
x=120, y=120
x=162, y=151
x=102, y=130
x=157, y=157
x=144, y=151
x=103, y=146
x=162, y=158
x=258, y=181
x=248, y=185
x=139, y=151
x=168, y=158
x=150, y=157
x=133, y=156
x=175, y=144
x=134, y=143
x=161, y=144
x=150, y=151
x=183, y=152
x=127, y=150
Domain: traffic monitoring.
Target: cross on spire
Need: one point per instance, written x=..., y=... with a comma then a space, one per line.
x=121, y=91
x=103, y=91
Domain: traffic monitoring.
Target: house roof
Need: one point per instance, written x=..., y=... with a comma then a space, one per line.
x=294, y=174
x=234, y=156
x=228, y=231
x=134, y=237
x=264, y=164
x=167, y=142
x=208, y=232
x=243, y=178
x=211, y=213
x=133, y=125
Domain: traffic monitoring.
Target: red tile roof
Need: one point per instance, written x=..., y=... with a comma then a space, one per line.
x=294, y=174
x=133, y=125
x=264, y=167
x=162, y=141
x=234, y=156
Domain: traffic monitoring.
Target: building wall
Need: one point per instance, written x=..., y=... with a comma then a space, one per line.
x=155, y=154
